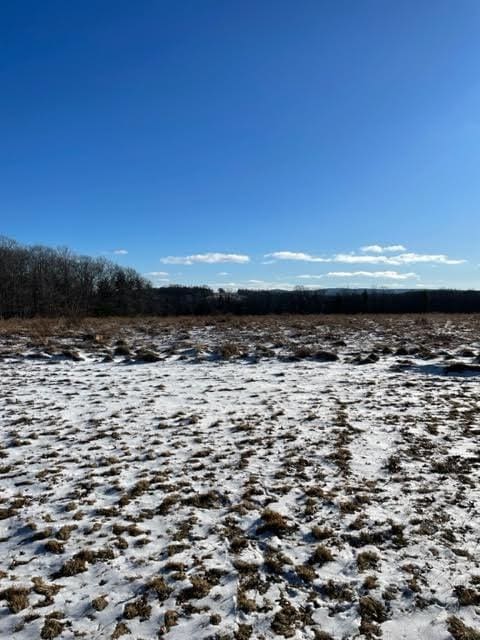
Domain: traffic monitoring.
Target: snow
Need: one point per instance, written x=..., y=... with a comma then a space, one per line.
x=385, y=458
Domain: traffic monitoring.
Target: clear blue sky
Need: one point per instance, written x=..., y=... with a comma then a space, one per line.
x=247, y=142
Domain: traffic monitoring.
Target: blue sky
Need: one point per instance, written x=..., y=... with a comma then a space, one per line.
x=253, y=143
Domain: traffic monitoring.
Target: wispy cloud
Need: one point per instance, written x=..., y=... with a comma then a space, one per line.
x=120, y=252
x=156, y=274
x=376, y=248
x=254, y=284
x=401, y=258
x=387, y=275
x=207, y=258
x=352, y=258
x=293, y=255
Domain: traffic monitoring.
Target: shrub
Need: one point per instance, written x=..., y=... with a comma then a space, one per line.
x=274, y=523
x=372, y=610
x=367, y=560
x=137, y=609
x=16, y=597
x=159, y=587
x=460, y=631
x=51, y=629
x=322, y=555
x=100, y=603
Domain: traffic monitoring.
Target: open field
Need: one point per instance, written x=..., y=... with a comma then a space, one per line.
x=234, y=478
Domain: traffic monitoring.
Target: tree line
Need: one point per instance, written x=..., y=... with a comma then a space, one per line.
x=42, y=281
x=178, y=300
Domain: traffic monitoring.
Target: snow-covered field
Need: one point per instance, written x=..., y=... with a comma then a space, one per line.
x=280, y=478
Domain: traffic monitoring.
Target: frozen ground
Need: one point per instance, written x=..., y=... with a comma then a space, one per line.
x=233, y=480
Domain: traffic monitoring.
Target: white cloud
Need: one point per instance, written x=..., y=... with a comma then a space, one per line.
x=411, y=258
x=376, y=248
x=429, y=285
x=352, y=258
x=292, y=255
x=156, y=274
x=253, y=284
x=388, y=275
x=207, y=258
x=308, y=276
x=223, y=273
x=120, y=252
x=401, y=258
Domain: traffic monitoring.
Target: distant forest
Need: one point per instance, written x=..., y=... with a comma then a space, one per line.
x=41, y=281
